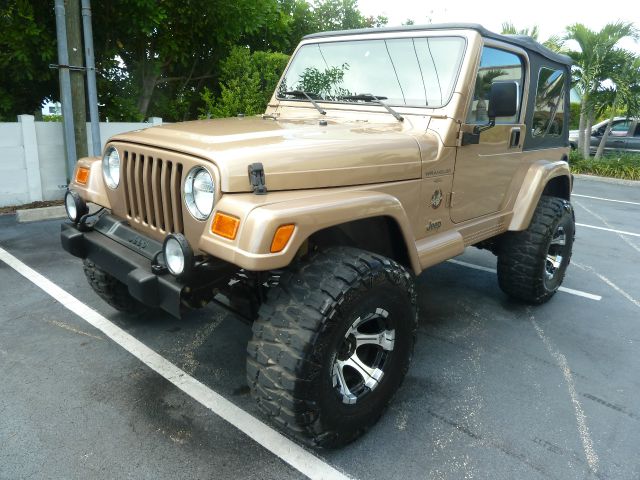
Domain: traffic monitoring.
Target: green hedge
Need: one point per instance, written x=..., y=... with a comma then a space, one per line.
x=618, y=165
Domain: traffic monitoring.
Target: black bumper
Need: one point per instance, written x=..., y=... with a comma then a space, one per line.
x=107, y=245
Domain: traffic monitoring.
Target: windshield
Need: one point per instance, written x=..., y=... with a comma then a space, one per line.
x=413, y=72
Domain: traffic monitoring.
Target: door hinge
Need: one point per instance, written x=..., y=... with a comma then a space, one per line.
x=469, y=138
x=449, y=200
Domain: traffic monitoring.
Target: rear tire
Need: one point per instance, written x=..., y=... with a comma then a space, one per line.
x=332, y=344
x=532, y=263
x=112, y=290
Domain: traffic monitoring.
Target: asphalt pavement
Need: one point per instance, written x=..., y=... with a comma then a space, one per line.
x=496, y=390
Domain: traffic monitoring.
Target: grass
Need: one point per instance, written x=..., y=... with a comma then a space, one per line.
x=616, y=165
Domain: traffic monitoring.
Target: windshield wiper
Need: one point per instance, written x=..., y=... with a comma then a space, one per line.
x=300, y=93
x=367, y=97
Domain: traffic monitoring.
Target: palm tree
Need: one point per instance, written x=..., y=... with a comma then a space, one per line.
x=509, y=28
x=624, y=92
x=596, y=50
x=553, y=43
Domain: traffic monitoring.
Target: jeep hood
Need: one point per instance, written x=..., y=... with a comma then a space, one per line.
x=296, y=154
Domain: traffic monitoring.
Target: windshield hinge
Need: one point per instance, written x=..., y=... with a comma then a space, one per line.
x=257, y=179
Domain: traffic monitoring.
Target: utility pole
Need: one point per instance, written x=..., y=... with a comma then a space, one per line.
x=65, y=88
x=76, y=59
x=92, y=91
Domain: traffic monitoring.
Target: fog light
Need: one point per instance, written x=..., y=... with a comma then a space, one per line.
x=178, y=255
x=75, y=206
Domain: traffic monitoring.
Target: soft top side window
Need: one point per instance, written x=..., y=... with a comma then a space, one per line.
x=548, y=117
x=495, y=66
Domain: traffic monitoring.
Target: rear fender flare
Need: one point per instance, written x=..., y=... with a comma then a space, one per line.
x=535, y=181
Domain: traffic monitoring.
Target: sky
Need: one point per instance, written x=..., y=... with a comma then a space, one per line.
x=551, y=17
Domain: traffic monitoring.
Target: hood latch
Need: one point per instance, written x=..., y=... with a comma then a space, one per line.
x=257, y=178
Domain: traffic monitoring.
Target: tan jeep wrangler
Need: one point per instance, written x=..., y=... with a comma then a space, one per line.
x=381, y=153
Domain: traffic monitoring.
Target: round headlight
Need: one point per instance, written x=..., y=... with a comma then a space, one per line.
x=199, y=193
x=178, y=255
x=111, y=167
x=75, y=206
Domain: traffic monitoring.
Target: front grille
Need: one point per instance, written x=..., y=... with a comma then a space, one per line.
x=152, y=191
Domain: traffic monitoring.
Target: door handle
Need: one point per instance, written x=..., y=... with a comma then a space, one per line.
x=514, y=140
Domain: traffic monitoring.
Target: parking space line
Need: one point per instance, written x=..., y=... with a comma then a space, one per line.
x=605, y=199
x=290, y=452
x=621, y=232
x=581, y=418
x=618, y=289
x=570, y=291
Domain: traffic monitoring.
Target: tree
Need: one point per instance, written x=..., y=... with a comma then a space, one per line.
x=596, y=50
x=342, y=15
x=553, y=43
x=169, y=47
x=625, y=78
x=247, y=81
x=154, y=57
x=27, y=47
x=294, y=19
x=509, y=28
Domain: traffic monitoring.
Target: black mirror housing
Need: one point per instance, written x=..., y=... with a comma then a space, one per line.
x=503, y=99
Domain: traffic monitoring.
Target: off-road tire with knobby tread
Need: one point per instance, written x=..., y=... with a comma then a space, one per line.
x=112, y=290
x=522, y=255
x=297, y=332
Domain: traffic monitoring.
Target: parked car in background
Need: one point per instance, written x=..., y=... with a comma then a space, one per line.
x=625, y=135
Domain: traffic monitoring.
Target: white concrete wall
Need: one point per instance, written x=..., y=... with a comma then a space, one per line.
x=32, y=157
x=13, y=171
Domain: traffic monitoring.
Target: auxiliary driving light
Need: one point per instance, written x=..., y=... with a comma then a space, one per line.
x=75, y=206
x=178, y=255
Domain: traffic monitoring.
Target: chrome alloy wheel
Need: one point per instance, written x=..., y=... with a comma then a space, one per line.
x=361, y=358
x=556, y=252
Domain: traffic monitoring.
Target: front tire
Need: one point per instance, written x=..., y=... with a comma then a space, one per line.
x=532, y=263
x=111, y=290
x=332, y=344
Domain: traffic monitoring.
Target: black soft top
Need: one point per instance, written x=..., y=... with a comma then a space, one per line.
x=523, y=41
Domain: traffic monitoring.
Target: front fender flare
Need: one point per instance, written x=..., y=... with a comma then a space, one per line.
x=309, y=214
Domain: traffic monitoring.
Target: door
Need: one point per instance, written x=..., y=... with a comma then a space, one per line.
x=483, y=172
x=633, y=140
x=618, y=136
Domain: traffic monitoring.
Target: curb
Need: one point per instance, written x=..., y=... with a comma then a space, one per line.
x=43, y=213
x=615, y=181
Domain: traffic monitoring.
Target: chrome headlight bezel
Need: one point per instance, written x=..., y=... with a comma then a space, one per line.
x=75, y=206
x=199, y=201
x=111, y=167
x=178, y=255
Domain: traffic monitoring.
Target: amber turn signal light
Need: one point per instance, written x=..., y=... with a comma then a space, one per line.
x=282, y=237
x=82, y=175
x=225, y=225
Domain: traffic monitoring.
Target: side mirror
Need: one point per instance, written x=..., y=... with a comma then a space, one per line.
x=503, y=102
x=503, y=99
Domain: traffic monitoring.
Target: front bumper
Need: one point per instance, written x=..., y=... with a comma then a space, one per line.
x=109, y=244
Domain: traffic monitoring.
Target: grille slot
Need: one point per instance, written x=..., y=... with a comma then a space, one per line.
x=152, y=191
